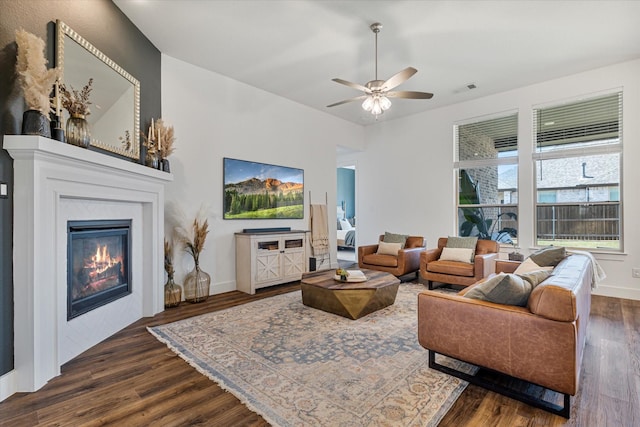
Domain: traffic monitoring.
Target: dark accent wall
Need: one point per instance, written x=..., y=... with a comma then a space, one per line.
x=108, y=29
x=347, y=190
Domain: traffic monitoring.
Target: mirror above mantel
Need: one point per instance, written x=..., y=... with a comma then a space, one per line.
x=115, y=95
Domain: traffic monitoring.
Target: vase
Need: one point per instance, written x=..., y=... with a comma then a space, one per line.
x=172, y=293
x=152, y=160
x=196, y=285
x=78, y=131
x=35, y=123
x=166, y=166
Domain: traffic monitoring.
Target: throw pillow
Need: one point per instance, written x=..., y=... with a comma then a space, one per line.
x=535, y=277
x=550, y=256
x=527, y=266
x=455, y=254
x=508, y=289
x=463, y=242
x=395, y=238
x=385, y=248
x=345, y=225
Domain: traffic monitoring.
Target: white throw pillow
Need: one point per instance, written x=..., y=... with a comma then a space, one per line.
x=345, y=225
x=528, y=266
x=456, y=254
x=388, y=248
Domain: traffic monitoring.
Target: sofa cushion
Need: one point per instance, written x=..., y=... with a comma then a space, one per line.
x=463, y=242
x=528, y=265
x=381, y=260
x=451, y=267
x=536, y=277
x=385, y=248
x=550, y=256
x=456, y=254
x=508, y=289
x=395, y=238
x=414, y=242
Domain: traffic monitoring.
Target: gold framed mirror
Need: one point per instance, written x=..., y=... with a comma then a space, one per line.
x=115, y=95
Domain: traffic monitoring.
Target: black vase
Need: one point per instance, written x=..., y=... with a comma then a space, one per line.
x=35, y=123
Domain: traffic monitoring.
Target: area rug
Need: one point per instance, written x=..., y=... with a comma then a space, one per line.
x=298, y=366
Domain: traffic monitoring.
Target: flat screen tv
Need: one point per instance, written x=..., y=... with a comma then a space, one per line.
x=255, y=190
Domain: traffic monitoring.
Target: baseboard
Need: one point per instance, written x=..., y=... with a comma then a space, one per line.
x=8, y=385
x=611, y=291
x=222, y=287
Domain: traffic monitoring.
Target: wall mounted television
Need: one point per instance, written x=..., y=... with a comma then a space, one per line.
x=254, y=190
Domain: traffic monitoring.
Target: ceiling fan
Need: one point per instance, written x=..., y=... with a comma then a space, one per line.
x=377, y=92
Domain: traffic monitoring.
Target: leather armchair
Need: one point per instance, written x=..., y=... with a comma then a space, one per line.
x=432, y=269
x=407, y=261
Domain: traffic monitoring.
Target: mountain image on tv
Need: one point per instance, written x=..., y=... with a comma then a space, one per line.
x=255, y=190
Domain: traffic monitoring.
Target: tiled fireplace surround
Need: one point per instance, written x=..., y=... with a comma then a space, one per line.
x=54, y=183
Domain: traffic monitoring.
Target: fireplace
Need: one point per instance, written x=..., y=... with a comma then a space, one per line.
x=98, y=264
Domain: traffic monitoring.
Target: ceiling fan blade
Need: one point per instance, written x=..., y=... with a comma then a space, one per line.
x=357, y=98
x=353, y=85
x=409, y=94
x=399, y=78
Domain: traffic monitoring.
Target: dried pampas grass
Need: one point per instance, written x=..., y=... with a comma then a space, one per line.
x=191, y=234
x=168, y=258
x=166, y=138
x=34, y=77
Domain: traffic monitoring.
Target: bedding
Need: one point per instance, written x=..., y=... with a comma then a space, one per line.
x=347, y=238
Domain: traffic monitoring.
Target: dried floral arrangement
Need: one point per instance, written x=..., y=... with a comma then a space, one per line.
x=126, y=140
x=168, y=258
x=165, y=139
x=193, y=236
x=77, y=102
x=160, y=139
x=34, y=77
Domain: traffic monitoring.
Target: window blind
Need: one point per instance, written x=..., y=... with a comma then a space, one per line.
x=594, y=121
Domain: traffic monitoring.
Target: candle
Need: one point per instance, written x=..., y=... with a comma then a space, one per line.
x=153, y=132
x=58, y=110
x=159, y=141
x=149, y=138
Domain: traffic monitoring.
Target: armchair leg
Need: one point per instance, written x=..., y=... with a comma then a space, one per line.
x=429, y=284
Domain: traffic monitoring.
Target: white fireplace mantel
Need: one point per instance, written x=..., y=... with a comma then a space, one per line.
x=53, y=183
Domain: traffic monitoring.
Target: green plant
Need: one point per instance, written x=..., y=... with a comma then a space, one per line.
x=475, y=218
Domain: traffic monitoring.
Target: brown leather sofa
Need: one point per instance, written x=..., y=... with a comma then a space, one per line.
x=407, y=261
x=432, y=269
x=542, y=343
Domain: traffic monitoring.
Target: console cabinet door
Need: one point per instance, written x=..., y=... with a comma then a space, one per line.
x=269, y=259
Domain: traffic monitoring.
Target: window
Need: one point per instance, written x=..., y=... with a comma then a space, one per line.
x=487, y=169
x=578, y=153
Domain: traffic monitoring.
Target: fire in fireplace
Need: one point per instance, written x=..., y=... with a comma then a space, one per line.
x=98, y=264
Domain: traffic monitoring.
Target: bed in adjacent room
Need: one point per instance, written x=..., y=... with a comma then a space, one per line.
x=346, y=237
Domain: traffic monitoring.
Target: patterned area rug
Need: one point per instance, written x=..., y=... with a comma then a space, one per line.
x=298, y=366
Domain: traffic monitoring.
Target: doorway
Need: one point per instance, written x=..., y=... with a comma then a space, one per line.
x=346, y=213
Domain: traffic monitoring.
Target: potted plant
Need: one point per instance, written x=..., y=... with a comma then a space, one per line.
x=475, y=218
x=36, y=82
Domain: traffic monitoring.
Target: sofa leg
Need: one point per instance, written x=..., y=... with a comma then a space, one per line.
x=429, y=284
x=563, y=411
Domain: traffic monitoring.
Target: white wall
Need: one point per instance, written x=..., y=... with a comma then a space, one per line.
x=405, y=174
x=215, y=117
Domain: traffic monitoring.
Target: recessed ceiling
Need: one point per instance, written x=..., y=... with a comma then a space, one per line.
x=294, y=48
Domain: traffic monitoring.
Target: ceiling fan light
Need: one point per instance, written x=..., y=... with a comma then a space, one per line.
x=368, y=103
x=385, y=103
x=377, y=108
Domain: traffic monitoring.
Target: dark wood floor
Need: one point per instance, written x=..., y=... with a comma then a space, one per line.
x=131, y=379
